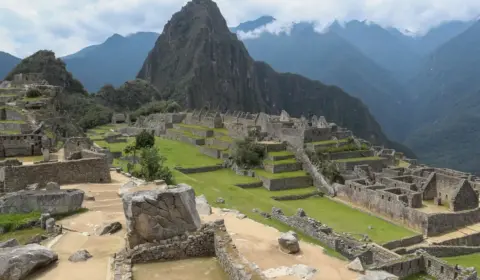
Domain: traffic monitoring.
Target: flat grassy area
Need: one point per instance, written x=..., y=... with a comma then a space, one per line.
x=22, y=236
x=13, y=121
x=28, y=159
x=282, y=175
x=225, y=138
x=465, y=261
x=279, y=154
x=185, y=132
x=358, y=159
x=10, y=221
x=343, y=218
x=8, y=95
x=10, y=132
x=420, y=276
x=330, y=142
x=278, y=162
x=402, y=163
x=198, y=127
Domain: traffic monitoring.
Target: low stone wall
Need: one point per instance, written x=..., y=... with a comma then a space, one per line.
x=202, y=169
x=468, y=240
x=250, y=185
x=349, y=248
x=194, y=245
x=404, y=267
x=53, y=202
x=286, y=183
x=285, y=167
x=282, y=157
x=445, y=251
x=211, y=152
x=352, y=154
x=405, y=242
x=91, y=170
x=10, y=126
x=218, y=143
x=131, y=131
x=376, y=164
x=183, y=138
x=445, y=222
x=195, y=131
x=76, y=144
x=441, y=270
x=297, y=196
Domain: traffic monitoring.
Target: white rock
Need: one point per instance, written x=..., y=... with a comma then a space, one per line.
x=356, y=265
x=299, y=270
x=241, y=216
x=202, y=205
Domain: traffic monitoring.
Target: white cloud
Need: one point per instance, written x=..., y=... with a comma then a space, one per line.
x=66, y=26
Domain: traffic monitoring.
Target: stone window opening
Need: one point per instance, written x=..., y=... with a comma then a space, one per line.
x=455, y=275
x=409, y=265
x=441, y=269
x=383, y=197
x=401, y=266
x=429, y=263
x=389, y=199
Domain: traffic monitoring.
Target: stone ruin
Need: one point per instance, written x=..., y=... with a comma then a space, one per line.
x=164, y=225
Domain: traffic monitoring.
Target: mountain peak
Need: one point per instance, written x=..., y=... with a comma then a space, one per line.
x=254, y=24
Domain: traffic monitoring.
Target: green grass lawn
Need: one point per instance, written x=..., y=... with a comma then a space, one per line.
x=343, y=218
x=10, y=132
x=465, y=261
x=279, y=154
x=358, y=159
x=278, y=162
x=28, y=159
x=11, y=221
x=22, y=236
x=402, y=163
x=263, y=173
x=330, y=142
x=13, y=121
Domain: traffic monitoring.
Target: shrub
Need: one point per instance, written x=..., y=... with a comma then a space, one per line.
x=153, y=166
x=33, y=92
x=247, y=153
x=144, y=140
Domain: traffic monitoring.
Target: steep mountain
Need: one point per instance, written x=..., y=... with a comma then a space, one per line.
x=377, y=43
x=7, y=62
x=197, y=61
x=113, y=62
x=331, y=59
x=448, y=103
x=73, y=109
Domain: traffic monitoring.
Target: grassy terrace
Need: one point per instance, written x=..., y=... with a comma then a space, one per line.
x=35, y=98
x=13, y=121
x=279, y=154
x=330, y=142
x=199, y=127
x=10, y=132
x=278, y=162
x=465, y=261
x=28, y=159
x=358, y=159
x=185, y=132
x=263, y=173
x=8, y=95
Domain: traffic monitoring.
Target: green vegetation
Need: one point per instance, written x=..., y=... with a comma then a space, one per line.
x=152, y=166
x=22, y=236
x=263, y=173
x=345, y=148
x=33, y=93
x=10, y=221
x=198, y=127
x=13, y=121
x=278, y=162
x=465, y=261
x=16, y=109
x=185, y=132
x=420, y=276
x=358, y=159
x=28, y=159
x=329, y=142
x=10, y=132
x=38, y=98
x=155, y=107
x=279, y=154
x=8, y=95
x=248, y=153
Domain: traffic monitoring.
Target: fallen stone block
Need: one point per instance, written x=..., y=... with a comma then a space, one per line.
x=9, y=243
x=203, y=208
x=288, y=242
x=80, y=256
x=18, y=262
x=110, y=228
x=299, y=271
x=53, y=202
x=356, y=265
x=126, y=188
x=50, y=225
x=159, y=214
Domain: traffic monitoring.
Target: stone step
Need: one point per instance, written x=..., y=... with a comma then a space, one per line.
x=288, y=165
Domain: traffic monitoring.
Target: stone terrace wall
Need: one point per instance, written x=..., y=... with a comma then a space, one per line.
x=376, y=165
x=443, y=271
x=352, y=154
x=445, y=222
x=76, y=144
x=94, y=170
x=404, y=267
x=405, y=242
x=446, y=251
x=468, y=240
x=202, y=169
x=286, y=183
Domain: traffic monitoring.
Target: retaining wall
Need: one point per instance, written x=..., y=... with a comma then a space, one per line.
x=405, y=242
x=468, y=240
x=286, y=183
x=445, y=251
x=202, y=169
x=351, y=154
x=376, y=164
x=297, y=196
x=211, y=152
x=284, y=167
x=250, y=185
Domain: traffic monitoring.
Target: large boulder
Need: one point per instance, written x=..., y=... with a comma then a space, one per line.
x=127, y=187
x=159, y=214
x=9, y=243
x=17, y=262
x=203, y=208
x=288, y=242
x=53, y=202
x=80, y=256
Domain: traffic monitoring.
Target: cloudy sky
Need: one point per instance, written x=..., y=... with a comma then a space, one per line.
x=65, y=26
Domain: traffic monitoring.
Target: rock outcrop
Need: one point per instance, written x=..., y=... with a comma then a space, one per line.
x=288, y=242
x=203, y=208
x=9, y=243
x=17, y=262
x=158, y=215
x=80, y=256
x=53, y=202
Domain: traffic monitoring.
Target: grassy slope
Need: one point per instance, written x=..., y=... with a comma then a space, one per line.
x=465, y=261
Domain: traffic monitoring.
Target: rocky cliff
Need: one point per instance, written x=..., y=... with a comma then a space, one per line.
x=198, y=62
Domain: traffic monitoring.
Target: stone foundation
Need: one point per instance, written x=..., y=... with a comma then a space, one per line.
x=285, y=167
x=53, y=202
x=286, y=183
x=202, y=169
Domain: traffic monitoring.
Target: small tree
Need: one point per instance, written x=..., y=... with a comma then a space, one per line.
x=247, y=153
x=33, y=92
x=128, y=150
x=144, y=140
x=153, y=166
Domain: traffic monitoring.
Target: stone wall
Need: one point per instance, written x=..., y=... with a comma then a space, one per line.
x=93, y=170
x=76, y=144
x=14, y=115
x=218, y=143
x=250, y=185
x=211, y=152
x=202, y=169
x=446, y=251
x=445, y=222
x=286, y=183
x=404, y=267
x=404, y=242
x=443, y=271
x=284, y=167
x=297, y=196
x=376, y=164
x=20, y=145
x=53, y=202
x=467, y=240
x=178, y=136
x=352, y=154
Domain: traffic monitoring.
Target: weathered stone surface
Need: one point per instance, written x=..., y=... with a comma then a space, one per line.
x=356, y=265
x=80, y=256
x=127, y=187
x=75, y=156
x=241, y=216
x=50, y=225
x=289, y=242
x=159, y=215
x=52, y=186
x=9, y=243
x=300, y=271
x=37, y=239
x=203, y=208
x=17, y=262
x=377, y=275
x=110, y=228
x=54, y=202
x=88, y=197
x=34, y=187
x=43, y=220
